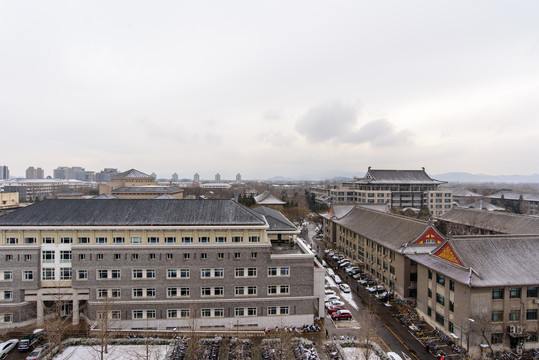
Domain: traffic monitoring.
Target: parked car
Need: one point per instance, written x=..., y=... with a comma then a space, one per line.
x=394, y=356
x=337, y=279
x=334, y=303
x=334, y=308
x=30, y=340
x=376, y=289
x=324, y=264
x=357, y=276
x=382, y=296
x=38, y=353
x=343, y=260
x=363, y=282
x=345, y=288
x=335, y=258
x=331, y=297
x=344, y=264
x=330, y=253
x=7, y=346
x=330, y=272
x=351, y=271
x=329, y=292
x=341, y=315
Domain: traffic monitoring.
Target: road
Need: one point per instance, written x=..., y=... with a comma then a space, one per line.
x=385, y=326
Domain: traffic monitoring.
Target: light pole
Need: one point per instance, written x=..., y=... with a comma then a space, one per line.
x=468, y=335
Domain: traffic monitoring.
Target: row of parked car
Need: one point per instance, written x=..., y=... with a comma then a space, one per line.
x=26, y=344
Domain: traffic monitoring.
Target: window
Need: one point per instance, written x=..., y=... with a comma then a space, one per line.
x=284, y=310
x=429, y=311
x=184, y=273
x=451, y=306
x=187, y=239
x=153, y=240
x=440, y=279
x=101, y=240
x=496, y=338
x=451, y=285
x=83, y=240
x=100, y=256
x=440, y=319
x=514, y=315
x=440, y=299
x=212, y=312
x=237, y=255
x=29, y=240
x=218, y=273
x=251, y=272
x=47, y=256
x=138, y=314
x=531, y=292
x=239, y=272
x=430, y=274
x=254, y=255
x=9, y=257
x=47, y=240
x=413, y=276
x=531, y=314
x=65, y=274
x=285, y=271
x=170, y=256
x=27, y=275
x=134, y=256
x=117, y=256
x=284, y=289
x=497, y=293
x=66, y=240
x=82, y=274
x=186, y=256
x=497, y=315
x=170, y=240
x=203, y=255
x=220, y=239
x=8, y=295
x=172, y=273
x=102, y=274
x=65, y=256
x=237, y=239
x=138, y=274
x=6, y=318
x=205, y=273
x=219, y=291
x=451, y=327
x=239, y=312
x=115, y=274
x=135, y=240
x=82, y=256
x=47, y=274
x=203, y=239
x=205, y=291
x=118, y=240
x=152, y=256
x=254, y=239
x=172, y=314
x=272, y=310
x=220, y=255
x=514, y=293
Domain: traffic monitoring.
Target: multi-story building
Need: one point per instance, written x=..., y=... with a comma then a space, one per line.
x=397, y=188
x=154, y=264
x=4, y=172
x=31, y=190
x=525, y=203
x=9, y=200
x=482, y=289
x=379, y=242
x=33, y=173
x=134, y=184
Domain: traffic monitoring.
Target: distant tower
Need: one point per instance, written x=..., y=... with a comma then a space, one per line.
x=217, y=177
x=238, y=178
x=175, y=177
x=196, y=178
x=31, y=173
x=4, y=172
x=40, y=174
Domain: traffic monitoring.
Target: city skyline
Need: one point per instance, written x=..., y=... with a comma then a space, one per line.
x=298, y=89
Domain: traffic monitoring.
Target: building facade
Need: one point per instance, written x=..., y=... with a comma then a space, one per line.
x=397, y=188
x=134, y=184
x=4, y=172
x=33, y=173
x=154, y=264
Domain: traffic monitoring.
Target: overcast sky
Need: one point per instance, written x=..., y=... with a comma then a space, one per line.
x=266, y=88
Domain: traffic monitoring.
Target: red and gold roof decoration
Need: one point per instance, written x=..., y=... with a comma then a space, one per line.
x=429, y=237
x=446, y=252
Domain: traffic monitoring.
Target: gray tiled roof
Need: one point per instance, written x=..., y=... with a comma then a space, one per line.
x=390, y=230
x=276, y=220
x=147, y=189
x=509, y=195
x=481, y=205
x=493, y=221
x=164, y=196
x=496, y=260
x=113, y=212
x=104, y=196
x=374, y=176
x=267, y=199
x=133, y=173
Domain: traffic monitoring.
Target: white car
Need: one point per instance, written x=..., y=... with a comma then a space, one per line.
x=394, y=356
x=337, y=279
x=7, y=346
x=376, y=288
x=327, y=304
x=345, y=288
x=329, y=292
x=331, y=297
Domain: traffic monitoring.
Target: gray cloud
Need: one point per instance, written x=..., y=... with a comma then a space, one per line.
x=339, y=122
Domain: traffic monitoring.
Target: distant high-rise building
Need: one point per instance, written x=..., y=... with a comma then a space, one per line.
x=4, y=172
x=175, y=177
x=238, y=177
x=75, y=172
x=217, y=177
x=105, y=175
x=33, y=173
x=196, y=178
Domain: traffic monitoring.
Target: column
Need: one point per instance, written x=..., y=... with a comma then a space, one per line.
x=39, y=310
x=75, y=310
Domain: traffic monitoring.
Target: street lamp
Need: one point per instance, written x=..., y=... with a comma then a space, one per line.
x=467, y=336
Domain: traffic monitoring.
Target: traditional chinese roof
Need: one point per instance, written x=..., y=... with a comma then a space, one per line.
x=147, y=189
x=500, y=222
x=267, y=199
x=276, y=220
x=131, y=174
x=481, y=205
x=510, y=195
x=486, y=260
x=133, y=212
x=104, y=196
x=393, y=231
x=374, y=176
x=464, y=193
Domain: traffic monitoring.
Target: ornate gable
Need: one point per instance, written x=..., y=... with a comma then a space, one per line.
x=446, y=252
x=430, y=236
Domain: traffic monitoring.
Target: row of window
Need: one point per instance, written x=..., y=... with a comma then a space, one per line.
x=186, y=313
x=514, y=293
x=134, y=240
x=514, y=315
x=169, y=256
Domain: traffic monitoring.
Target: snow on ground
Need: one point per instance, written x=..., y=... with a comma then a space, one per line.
x=346, y=296
x=357, y=354
x=116, y=352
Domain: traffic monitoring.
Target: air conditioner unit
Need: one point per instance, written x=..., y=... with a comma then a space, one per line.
x=512, y=329
x=536, y=301
x=390, y=260
x=519, y=330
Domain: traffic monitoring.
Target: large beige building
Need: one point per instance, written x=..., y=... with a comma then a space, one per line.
x=397, y=188
x=134, y=184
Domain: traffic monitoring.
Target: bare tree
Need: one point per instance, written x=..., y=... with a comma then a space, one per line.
x=106, y=317
x=367, y=329
x=482, y=324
